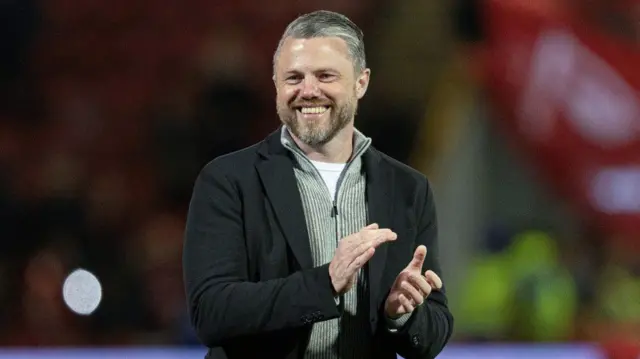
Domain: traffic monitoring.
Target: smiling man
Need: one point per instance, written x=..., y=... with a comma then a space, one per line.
x=311, y=243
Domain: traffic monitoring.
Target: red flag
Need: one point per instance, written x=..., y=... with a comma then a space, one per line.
x=567, y=92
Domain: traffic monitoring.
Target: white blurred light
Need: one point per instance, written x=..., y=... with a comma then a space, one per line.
x=82, y=292
x=617, y=190
x=569, y=80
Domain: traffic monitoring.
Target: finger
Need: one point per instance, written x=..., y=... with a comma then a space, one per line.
x=412, y=292
x=364, y=236
x=420, y=283
x=356, y=240
x=418, y=258
x=406, y=303
x=374, y=239
x=360, y=260
x=360, y=247
x=371, y=226
x=385, y=235
x=433, y=279
x=377, y=232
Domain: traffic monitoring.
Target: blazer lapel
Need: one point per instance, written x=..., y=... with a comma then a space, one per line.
x=380, y=205
x=281, y=187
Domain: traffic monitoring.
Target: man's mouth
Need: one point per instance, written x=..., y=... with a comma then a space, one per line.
x=312, y=110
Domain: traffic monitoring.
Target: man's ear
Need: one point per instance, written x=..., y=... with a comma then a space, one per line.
x=362, y=83
x=275, y=83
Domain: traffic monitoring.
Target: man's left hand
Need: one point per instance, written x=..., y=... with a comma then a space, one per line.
x=411, y=288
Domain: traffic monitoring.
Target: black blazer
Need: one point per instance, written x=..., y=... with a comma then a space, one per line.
x=252, y=290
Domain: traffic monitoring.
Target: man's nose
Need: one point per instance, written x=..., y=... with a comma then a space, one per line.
x=309, y=87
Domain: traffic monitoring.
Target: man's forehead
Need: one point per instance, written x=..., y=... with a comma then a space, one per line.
x=315, y=45
x=316, y=40
x=321, y=51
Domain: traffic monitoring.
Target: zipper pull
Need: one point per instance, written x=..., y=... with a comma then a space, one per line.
x=334, y=211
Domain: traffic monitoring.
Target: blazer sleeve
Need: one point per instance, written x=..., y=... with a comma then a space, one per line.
x=430, y=326
x=223, y=304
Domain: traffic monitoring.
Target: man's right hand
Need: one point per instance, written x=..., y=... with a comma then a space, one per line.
x=353, y=252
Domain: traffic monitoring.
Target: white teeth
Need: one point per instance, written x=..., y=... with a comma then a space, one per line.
x=314, y=110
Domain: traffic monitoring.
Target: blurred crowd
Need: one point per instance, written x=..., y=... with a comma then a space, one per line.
x=108, y=112
x=99, y=177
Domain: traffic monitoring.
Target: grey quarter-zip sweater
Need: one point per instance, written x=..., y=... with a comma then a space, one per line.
x=328, y=220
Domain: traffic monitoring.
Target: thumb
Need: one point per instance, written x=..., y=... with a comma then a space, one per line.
x=418, y=258
x=372, y=226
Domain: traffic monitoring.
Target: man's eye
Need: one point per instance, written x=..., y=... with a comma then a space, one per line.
x=326, y=77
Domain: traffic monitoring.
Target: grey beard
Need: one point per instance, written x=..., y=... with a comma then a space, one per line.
x=318, y=137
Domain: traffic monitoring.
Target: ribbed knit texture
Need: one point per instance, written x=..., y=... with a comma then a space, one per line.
x=347, y=337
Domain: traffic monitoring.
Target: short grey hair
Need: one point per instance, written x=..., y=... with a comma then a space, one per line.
x=323, y=23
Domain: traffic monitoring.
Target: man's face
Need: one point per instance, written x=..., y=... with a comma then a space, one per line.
x=317, y=89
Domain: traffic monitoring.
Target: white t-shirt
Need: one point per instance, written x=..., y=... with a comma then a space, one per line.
x=330, y=173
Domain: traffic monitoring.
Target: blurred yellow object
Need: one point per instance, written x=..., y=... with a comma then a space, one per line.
x=547, y=295
x=619, y=297
x=555, y=304
x=484, y=304
x=531, y=251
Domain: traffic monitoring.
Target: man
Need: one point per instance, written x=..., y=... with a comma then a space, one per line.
x=312, y=244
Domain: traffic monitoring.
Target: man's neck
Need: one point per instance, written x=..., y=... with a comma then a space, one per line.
x=338, y=150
